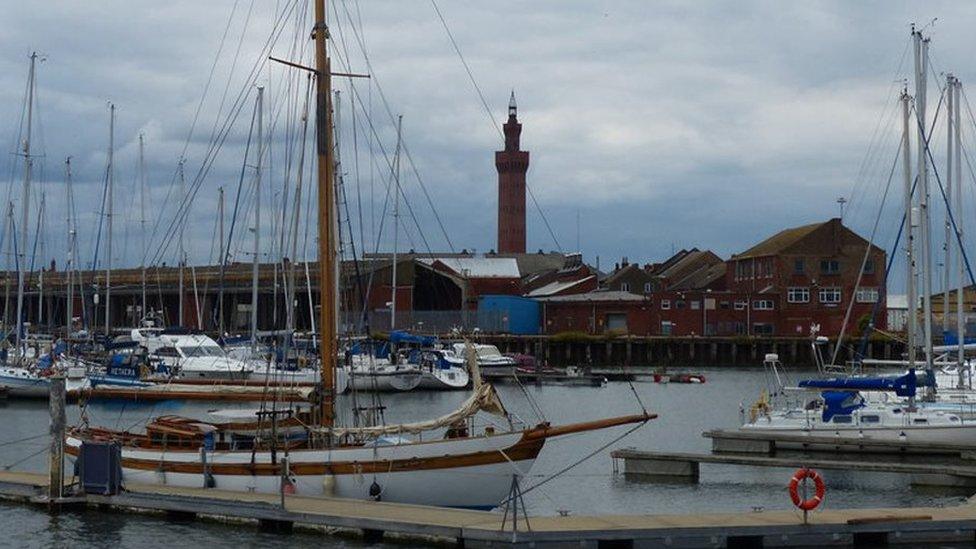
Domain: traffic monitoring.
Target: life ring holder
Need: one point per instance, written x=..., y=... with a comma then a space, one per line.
x=820, y=489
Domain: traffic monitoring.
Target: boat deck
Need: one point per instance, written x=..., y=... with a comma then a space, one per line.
x=481, y=529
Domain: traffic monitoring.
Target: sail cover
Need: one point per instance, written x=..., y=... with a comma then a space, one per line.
x=484, y=399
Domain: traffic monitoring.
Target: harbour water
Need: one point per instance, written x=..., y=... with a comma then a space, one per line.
x=589, y=488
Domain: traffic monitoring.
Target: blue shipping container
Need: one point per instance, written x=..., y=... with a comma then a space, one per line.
x=509, y=314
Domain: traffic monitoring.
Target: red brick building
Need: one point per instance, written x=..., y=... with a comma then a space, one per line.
x=780, y=287
x=811, y=275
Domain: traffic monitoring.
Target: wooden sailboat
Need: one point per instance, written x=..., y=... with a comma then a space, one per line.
x=307, y=453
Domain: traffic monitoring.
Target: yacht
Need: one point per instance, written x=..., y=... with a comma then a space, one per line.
x=488, y=356
x=441, y=370
x=190, y=356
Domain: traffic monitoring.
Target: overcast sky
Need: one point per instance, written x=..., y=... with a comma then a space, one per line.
x=657, y=125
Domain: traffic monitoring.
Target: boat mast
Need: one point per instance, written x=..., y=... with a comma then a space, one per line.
x=961, y=267
x=25, y=203
x=110, y=183
x=323, y=115
x=142, y=218
x=39, y=244
x=921, y=81
x=947, y=244
x=180, y=248
x=69, y=268
x=257, y=224
x=906, y=160
x=396, y=223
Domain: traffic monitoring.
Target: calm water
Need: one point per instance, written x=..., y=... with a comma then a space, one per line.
x=590, y=488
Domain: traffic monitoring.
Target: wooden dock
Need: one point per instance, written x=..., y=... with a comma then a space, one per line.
x=486, y=529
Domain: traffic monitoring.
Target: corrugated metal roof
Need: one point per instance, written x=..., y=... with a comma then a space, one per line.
x=596, y=296
x=555, y=287
x=478, y=267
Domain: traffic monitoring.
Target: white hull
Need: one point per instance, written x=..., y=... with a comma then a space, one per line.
x=478, y=485
x=961, y=434
x=25, y=384
x=450, y=379
x=406, y=380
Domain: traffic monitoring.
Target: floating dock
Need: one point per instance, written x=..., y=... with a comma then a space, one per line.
x=688, y=466
x=489, y=529
x=756, y=442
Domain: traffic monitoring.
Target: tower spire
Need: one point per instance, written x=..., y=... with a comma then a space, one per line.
x=512, y=107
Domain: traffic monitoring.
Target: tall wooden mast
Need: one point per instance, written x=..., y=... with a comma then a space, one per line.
x=327, y=271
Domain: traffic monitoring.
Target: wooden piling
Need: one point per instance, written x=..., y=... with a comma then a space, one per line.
x=58, y=420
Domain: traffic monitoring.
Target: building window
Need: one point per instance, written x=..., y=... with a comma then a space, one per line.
x=798, y=295
x=829, y=266
x=762, y=305
x=798, y=266
x=724, y=305
x=762, y=328
x=741, y=304
x=665, y=304
x=625, y=286
x=867, y=295
x=695, y=305
x=666, y=327
x=767, y=267
x=740, y=328
x=679, y=304
x=869, y=267
x=648, y=288
x=830, y=296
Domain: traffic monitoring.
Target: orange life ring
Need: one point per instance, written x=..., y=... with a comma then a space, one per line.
x=819, y=489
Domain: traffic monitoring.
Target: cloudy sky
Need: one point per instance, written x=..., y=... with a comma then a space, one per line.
x=656, y=125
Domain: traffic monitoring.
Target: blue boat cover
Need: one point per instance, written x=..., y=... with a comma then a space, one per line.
x=840, y=403
x=903, y=386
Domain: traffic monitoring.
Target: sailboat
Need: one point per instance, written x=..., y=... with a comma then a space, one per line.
x=445, y=463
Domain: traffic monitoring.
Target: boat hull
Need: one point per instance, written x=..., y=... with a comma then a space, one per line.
x=958, y=434
x=451, y=379
x=471, y=472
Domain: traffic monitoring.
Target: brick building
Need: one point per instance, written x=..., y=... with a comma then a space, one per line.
x=809, y=274
x=780, y=287
x=511, y=163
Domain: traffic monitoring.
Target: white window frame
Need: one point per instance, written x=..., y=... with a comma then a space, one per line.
x=648, y=288
x=695, y=305
x=798, y=294
x=830, y=295
x=625, y=286
x=666, y=304
x=740, y=305
x=763, y=305
x=868, y=294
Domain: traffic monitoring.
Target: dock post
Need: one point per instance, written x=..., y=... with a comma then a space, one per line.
x=56, y=467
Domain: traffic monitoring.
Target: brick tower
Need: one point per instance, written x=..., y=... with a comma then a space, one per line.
x=511, y=164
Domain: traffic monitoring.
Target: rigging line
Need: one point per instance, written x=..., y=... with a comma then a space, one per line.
x=584, y=458
x=952, y=218
x=215, y=146
x=206, y=87
x=211, y=155
x=491, y=116
x=867, y=254
x=389, y=112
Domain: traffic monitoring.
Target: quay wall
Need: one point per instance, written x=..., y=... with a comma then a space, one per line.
x=657, y=352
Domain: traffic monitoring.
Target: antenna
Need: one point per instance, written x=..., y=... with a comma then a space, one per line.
x=840, y=202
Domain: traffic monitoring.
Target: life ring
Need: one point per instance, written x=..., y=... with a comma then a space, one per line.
x=819, y=489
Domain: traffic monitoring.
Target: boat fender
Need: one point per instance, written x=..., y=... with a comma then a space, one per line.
x=209, y=481
x=819, y=489
x=328, y=485
x=288, y=487
x=375, y=491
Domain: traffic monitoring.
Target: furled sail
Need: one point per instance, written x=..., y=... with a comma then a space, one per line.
x=485, y=399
